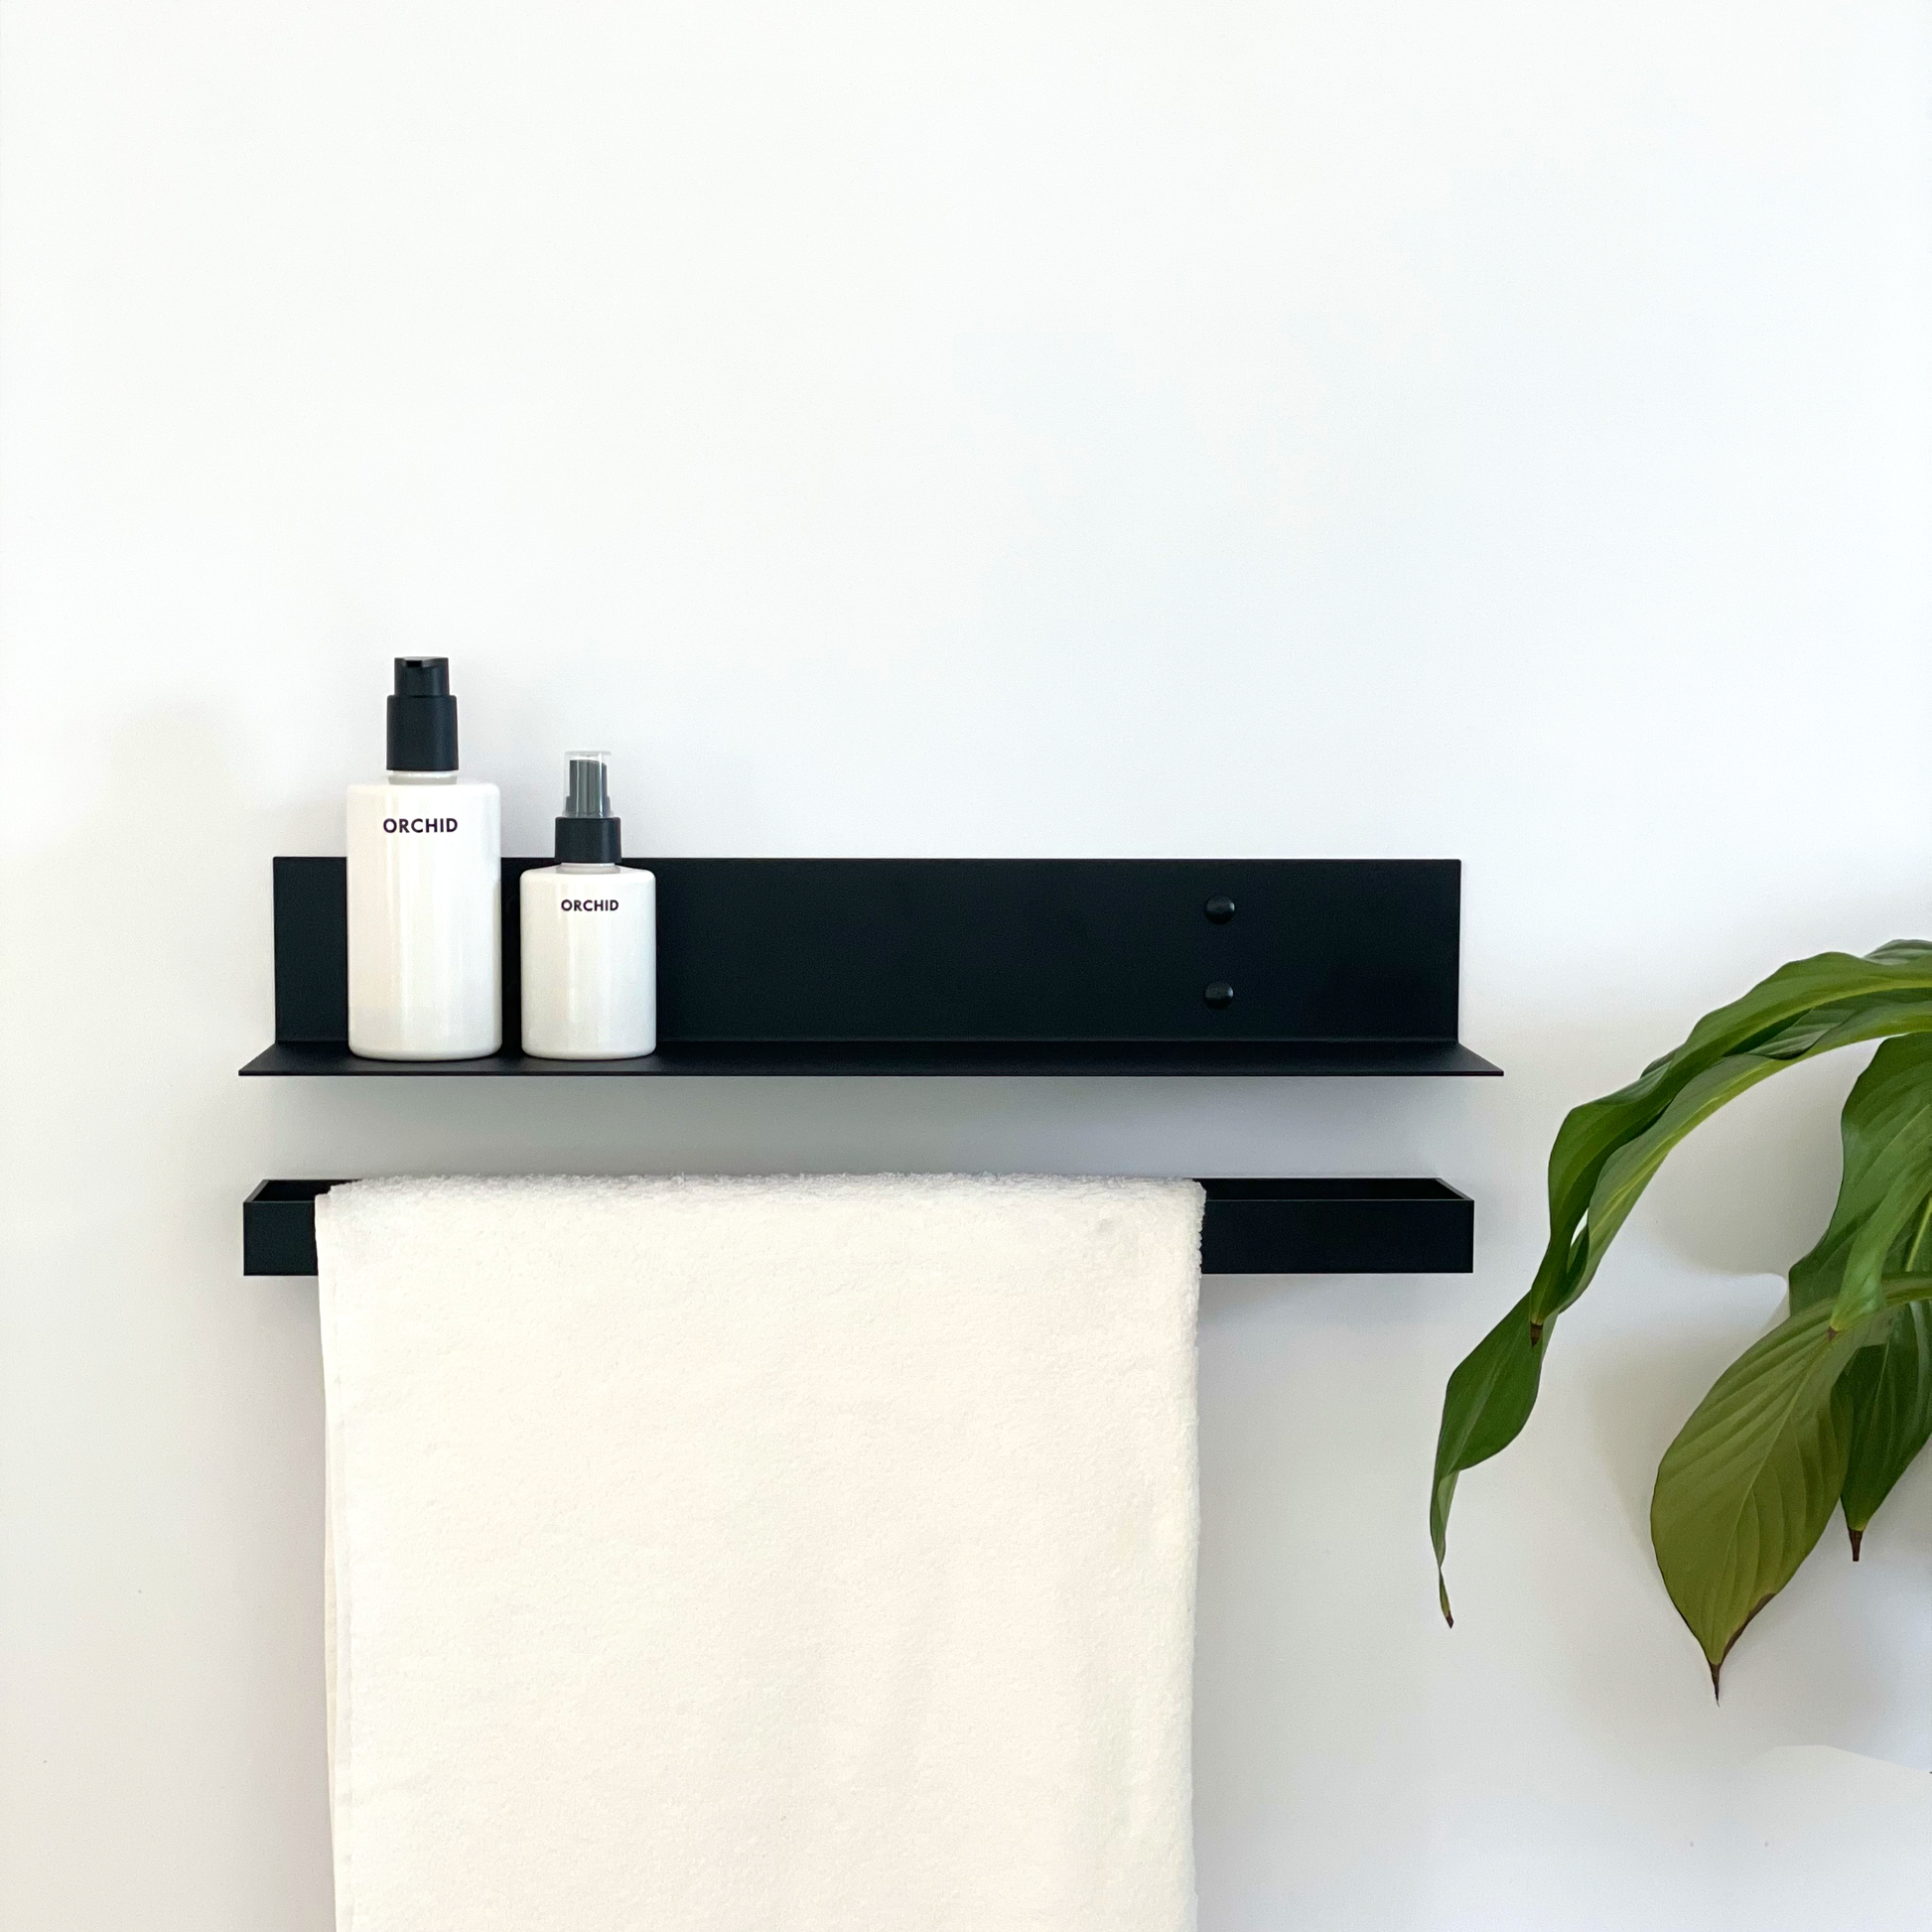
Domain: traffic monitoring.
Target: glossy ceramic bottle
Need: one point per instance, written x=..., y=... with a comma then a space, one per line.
x=588, y=936
x=425, y=890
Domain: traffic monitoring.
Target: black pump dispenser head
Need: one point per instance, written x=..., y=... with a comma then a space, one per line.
x=422, y=717
x=587, y=834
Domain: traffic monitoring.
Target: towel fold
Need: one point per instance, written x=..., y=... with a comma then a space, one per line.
x=805, y=1555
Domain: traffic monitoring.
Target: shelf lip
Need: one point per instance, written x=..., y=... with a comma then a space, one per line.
x=923, y=1059
x=1308, y=1225
x=1328, y=1189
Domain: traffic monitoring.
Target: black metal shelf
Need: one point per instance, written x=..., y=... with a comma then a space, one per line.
x=1322, y=1226
x=982, y=967
x=925, y=1059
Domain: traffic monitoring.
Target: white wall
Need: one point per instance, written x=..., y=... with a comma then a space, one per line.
x=1342, y=428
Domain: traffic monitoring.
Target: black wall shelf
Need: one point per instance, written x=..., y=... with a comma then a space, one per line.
x=989, y=967
x=1250, y=1227
x=989, y=1059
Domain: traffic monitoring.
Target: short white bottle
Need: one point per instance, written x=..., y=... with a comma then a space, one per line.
x=589, y=930
x=425, y=890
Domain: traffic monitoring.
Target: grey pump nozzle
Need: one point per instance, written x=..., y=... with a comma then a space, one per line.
x=589, y=786
x=587, y=833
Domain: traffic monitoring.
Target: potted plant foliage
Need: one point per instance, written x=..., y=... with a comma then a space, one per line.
x=1827, y=1409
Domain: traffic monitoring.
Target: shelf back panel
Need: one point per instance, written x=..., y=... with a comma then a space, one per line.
x=773, y=950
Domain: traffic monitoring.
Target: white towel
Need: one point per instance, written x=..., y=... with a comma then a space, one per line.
x=809, y=1554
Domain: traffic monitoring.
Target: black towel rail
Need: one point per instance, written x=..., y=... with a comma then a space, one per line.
x=1325, y=1226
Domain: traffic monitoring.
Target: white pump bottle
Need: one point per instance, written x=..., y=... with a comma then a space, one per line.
x=425, y=890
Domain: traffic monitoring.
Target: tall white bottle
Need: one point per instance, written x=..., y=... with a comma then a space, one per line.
x=425, y=890
x=588, y=936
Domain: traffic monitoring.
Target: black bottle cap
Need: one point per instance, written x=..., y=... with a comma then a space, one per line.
x=588, y=841
x=422, y=717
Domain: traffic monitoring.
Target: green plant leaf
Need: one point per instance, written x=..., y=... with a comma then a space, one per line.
x=1488, y=1400
x=1887, y=1133
x=1891, y=1415
x=1749, y=1485
x=1592, y=1131
x=1796, y=993
x=1885, y=1103
x=1628, y=1133
x=1607, y=1149
x=1883, y=1127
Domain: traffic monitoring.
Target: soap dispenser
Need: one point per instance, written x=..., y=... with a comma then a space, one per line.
x=425, y=890
x=589, y=935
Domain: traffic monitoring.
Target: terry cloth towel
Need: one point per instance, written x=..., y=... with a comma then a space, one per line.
x=804, y=1555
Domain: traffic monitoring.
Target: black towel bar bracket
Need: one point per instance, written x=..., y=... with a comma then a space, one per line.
x=1250, y=1228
